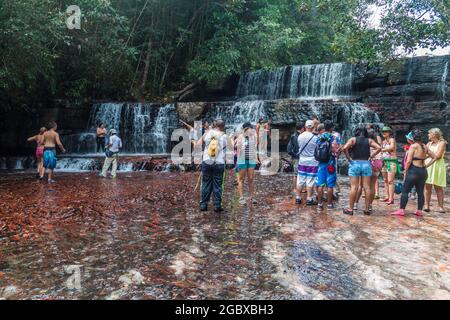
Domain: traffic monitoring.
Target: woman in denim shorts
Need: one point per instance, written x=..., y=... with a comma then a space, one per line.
x=357, y=150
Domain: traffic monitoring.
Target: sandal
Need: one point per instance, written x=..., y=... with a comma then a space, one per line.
x=347, y=211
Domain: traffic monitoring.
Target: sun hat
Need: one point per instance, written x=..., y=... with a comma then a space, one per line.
x=409, y=136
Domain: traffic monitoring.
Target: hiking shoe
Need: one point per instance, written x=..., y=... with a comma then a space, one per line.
x=218, y=210
x=311, y=202
x=254, y=201
x=355, y=207
x=298, y=201
x=399, y=212
x=320, y=207
x=330, y=206
x=413, y=196
x=203, y=208
x=51, y=181
x=242, y=201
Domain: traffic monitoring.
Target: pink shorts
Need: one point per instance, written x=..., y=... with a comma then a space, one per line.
x=39, y=152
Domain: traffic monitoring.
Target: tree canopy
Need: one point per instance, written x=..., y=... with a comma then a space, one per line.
x=145, y=49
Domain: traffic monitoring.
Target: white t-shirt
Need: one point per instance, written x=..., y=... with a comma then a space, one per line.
x=306, y=157
x=116, y=143
x=222, y=140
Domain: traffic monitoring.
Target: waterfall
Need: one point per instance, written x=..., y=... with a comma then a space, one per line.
x=107, y=113
x=319, y=81
x=262, y=84
x=239, y=113
x=143, y=127
x=161, y=127
x=444, y=82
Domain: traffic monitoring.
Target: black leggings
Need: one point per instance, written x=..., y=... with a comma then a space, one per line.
x=415, y=177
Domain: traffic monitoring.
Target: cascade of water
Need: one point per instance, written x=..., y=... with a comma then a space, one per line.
x=353, y=114
x=138, y=122
x=307, y=81
x=239, y=113
x=19, y=164
x=108, y=113
x=161, y=127
x=444, y=82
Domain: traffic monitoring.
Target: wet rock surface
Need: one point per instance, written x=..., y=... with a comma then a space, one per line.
x=142, y=236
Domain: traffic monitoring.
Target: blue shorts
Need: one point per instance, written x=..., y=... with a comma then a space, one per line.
x=50, y=159
x=248, y=164
x=360, y=168
x=324, y=177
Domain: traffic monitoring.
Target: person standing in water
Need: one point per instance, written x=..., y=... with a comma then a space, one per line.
x=213, y=166
x=437, y=172
x=391, y=166
x=360, y=167
x=39, y=138
x=308, y=166
x=112, y=154
x=247, y=159
x=51, y=140
x=326, y=154
x=293, y=151
x=415, y=172
x=100, y=137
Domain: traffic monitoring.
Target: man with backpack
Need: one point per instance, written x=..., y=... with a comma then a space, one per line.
x=293, y=150
x=213, y=166
x=326, y=153
x=307, y=164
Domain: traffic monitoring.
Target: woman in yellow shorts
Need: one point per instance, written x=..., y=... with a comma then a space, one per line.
x=437, y=172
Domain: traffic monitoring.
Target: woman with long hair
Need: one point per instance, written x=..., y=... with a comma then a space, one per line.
x=437, y=173
x=391, y=167
x=39, y=139
x=247, y=159
x=357, y=151
x=415, y=172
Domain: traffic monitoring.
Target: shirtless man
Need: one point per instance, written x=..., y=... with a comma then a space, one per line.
x=51, y=140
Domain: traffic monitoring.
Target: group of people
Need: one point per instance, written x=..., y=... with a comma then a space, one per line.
x=48, y=139
x=315, y=148
x=369, y=154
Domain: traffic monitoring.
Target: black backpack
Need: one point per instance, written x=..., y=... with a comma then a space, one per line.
x=293, y=147
x=322, y=153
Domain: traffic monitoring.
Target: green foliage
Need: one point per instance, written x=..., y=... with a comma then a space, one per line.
x=143, y=49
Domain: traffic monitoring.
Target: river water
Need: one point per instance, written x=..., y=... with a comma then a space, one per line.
x=142, y=237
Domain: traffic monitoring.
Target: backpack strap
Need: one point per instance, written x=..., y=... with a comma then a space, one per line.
x=304, y=147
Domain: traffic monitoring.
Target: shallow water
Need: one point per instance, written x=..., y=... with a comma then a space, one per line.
x=141, y=236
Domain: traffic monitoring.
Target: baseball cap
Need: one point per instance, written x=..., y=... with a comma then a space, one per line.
x=309, y=124
x=386, y=129
x=112, y=131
